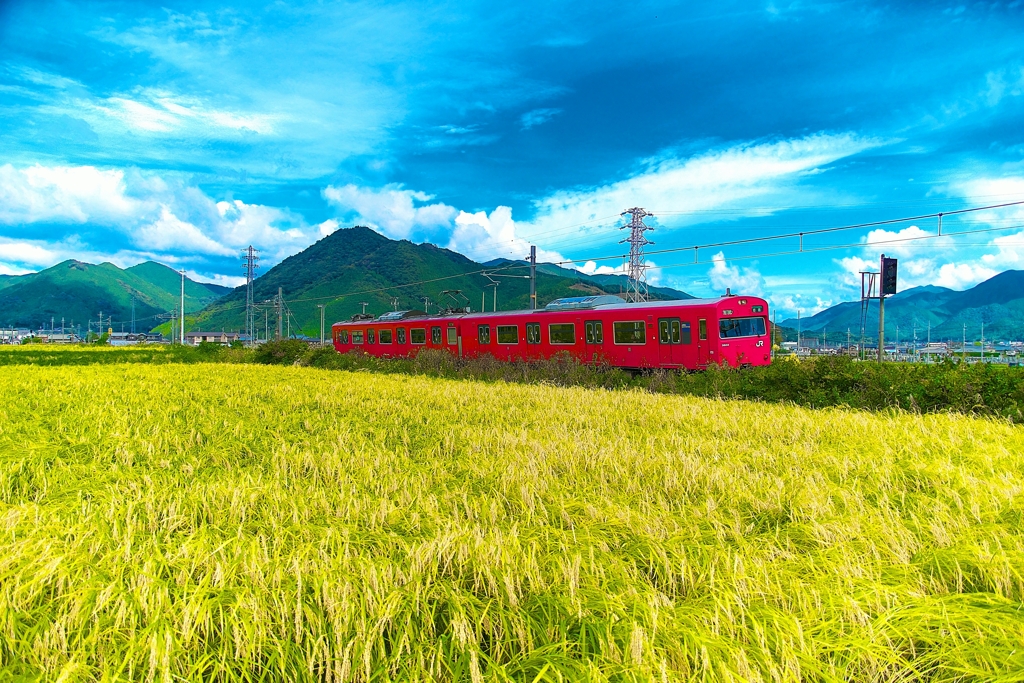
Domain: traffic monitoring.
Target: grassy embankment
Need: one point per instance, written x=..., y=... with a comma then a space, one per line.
x=213, y=522
x=825, y=381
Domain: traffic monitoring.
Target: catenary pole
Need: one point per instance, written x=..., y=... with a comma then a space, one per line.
x=182, y=326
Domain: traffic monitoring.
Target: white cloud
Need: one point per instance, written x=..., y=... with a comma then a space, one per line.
x=400, y=213
x=744, y=177
x=902, y=243
x=24, y=252
x=223, y=280
x=537, y=117
x=161, y=218
x=483, y=237
x=391, y=210
x=739, y=280
x=327, y=227
x=170, y=233
x=74, y=194
x=961, y=275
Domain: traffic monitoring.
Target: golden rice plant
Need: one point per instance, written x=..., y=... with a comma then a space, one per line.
x=242, y=523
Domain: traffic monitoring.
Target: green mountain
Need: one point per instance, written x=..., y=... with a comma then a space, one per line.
x=607, y=283
x=998, y=303
x=357, y=265
x=79, y=292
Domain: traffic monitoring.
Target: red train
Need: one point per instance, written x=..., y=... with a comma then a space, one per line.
x=692, y=333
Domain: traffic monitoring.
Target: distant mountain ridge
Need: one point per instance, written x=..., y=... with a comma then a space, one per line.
x=79, y=292
x=608, y=282
x=354, y=265
x=997, y=302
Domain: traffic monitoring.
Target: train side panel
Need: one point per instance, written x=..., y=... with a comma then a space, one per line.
x=731, y=331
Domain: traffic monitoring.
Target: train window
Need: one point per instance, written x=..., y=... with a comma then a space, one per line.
x=508, y=334
x=533, y=333
x=629, y=332
x=562, y=333
x=435, y=336
x=453, y=335
x=669, y=331
x=595, y=332
x=702, y=329
x=385, y=336
x=483, y=334
x=684, y=333
x=418, y=335
x=400, y=335
x=357, y=336
x=741, y=327
x=370, y=336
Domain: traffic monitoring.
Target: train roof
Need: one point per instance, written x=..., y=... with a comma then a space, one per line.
x=568, y=304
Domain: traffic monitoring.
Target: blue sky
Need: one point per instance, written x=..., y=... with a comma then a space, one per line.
x=182, y=132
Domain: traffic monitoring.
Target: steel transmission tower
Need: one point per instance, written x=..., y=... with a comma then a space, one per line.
x=637, y=286
x=250, y=265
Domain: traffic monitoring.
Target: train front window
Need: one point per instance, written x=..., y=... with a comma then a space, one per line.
x=385, y=336
x=741, y=327
x=629, y=332
x=595, y=332
x=435, y=336
x=418, y=335
x=508, y=334
x=533, y=333
x=562, y=333
x=357, y=336
x=453, y=335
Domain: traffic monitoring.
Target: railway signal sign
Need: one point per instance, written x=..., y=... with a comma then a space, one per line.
x=888, y=275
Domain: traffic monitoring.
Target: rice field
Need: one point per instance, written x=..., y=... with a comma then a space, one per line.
x=236, y=522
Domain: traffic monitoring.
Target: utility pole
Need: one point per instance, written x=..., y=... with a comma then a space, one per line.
x=133, y=312
x=847, y=341
x=266, y=325
x=250, y=265
x=483, y=299
x=322, y=307
x=798, y=330
x=982, y=341
x=394, y=303
x=279, y=306
x=426, y=303
x=533, y=278
x=881, y=326
x=637, y=282
x=182, y=326
x=963, y=345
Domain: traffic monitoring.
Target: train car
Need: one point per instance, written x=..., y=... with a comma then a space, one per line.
x=688, y=334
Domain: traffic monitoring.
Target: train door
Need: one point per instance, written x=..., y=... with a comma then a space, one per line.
x=702, y=342
x=594, y=330
x=670, y=348
x=453, y=340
